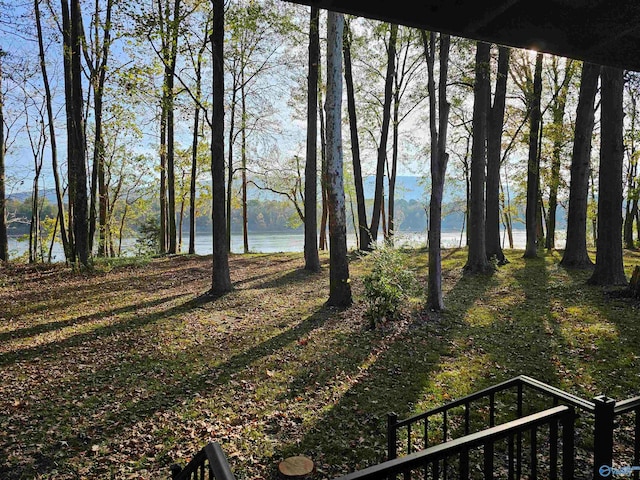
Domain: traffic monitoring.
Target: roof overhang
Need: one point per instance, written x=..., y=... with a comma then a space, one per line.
x=598, y=31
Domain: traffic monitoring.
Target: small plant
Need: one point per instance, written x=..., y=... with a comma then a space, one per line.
x=148, y=237
x=388, y=284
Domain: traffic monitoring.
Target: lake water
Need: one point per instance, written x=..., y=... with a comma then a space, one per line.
x=289, y=242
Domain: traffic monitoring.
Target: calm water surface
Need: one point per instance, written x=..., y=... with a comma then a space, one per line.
x=286, y=242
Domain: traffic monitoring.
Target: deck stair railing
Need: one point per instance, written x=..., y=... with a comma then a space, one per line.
x=514, y=399
x=477, y=453
x=505, y=431
x=208, y=464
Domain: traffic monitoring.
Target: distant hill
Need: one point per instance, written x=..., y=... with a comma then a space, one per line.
x=409, y=190
x=49, y=194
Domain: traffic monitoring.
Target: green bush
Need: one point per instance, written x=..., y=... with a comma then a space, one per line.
x=148, y=237
x=387, y=285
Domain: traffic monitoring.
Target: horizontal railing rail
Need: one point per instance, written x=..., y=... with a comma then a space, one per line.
x=519, y=383
x=605, y=417
x=626, y=406
x=433, y=456
x=209, y=463
x=523, y=380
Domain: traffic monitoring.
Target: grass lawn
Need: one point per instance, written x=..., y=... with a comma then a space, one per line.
x=122, y=372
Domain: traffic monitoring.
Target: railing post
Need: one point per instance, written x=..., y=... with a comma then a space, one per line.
x=603, y=435
x=175, y=471
x=568, y=450
x=392, y=436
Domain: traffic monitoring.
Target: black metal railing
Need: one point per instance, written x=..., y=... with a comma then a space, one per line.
x=614, y=432
x=209, y=463
x=436, y=462
x=504, y=431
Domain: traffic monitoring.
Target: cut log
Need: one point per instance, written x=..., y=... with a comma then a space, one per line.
x=296, y=467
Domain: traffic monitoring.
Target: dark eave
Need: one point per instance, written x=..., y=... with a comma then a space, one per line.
x=599, y=31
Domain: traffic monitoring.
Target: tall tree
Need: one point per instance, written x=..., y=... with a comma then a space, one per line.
x=198, y=60
x=339, y=282
x=52, y=135
x=409, y=67
x=311, y=258
x=495, y=125
x=171, y=49
x=609, y=262
x=632, y=178
x=98, y=73
x=438, y=123
x=558, y=134
x=575, y=253
x=477, y=257
x=78, y=198
x=221, y=282
x=384, y=132
x=533, y=164
x=37, y=141
x=364, y=235
x=4, y=243
x=253, y=49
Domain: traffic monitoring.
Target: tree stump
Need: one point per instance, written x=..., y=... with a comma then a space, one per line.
x=634, y=284
x=294, y=468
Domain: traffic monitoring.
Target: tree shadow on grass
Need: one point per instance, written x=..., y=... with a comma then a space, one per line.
x=67, y=290
x=288, y=279
x=371, y=373
x=60, y=324
x=96, y=406
x=55, y=347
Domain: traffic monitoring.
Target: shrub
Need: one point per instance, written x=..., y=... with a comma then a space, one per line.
x=148, y=237
x=387, y=285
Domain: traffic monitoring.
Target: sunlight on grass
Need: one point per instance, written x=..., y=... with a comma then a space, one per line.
x=584, y=327
x=454, y=378
x=144, y=372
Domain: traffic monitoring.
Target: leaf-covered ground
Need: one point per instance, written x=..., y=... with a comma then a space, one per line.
x=124, y=371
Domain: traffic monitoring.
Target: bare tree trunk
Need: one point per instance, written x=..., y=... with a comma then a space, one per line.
x=221, y=281
x=181, y=219
x=37, y=149
x=170, y=79
x=76, y=134
x=66, y=40
x=384, y=132
x=34, y=224
x=558, y=132
x=439, y=160
x=609, y=262
x=230, y=169
x=477, y=257
x=633, y=215
x=383, y=216
x=194, y=152
x=323, y=177
x=630, y=215
x=632, y=187
x=163, y=178
x=245, y=220
x=364, y=236
x=575, y=253
x=594, y=203
x=494, y=142
x=533, y=169
x=394, y=166
x=311, y=258
x=339, y=282
x=4, y=241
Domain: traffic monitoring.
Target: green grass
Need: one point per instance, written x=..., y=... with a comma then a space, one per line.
x=121, y=372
